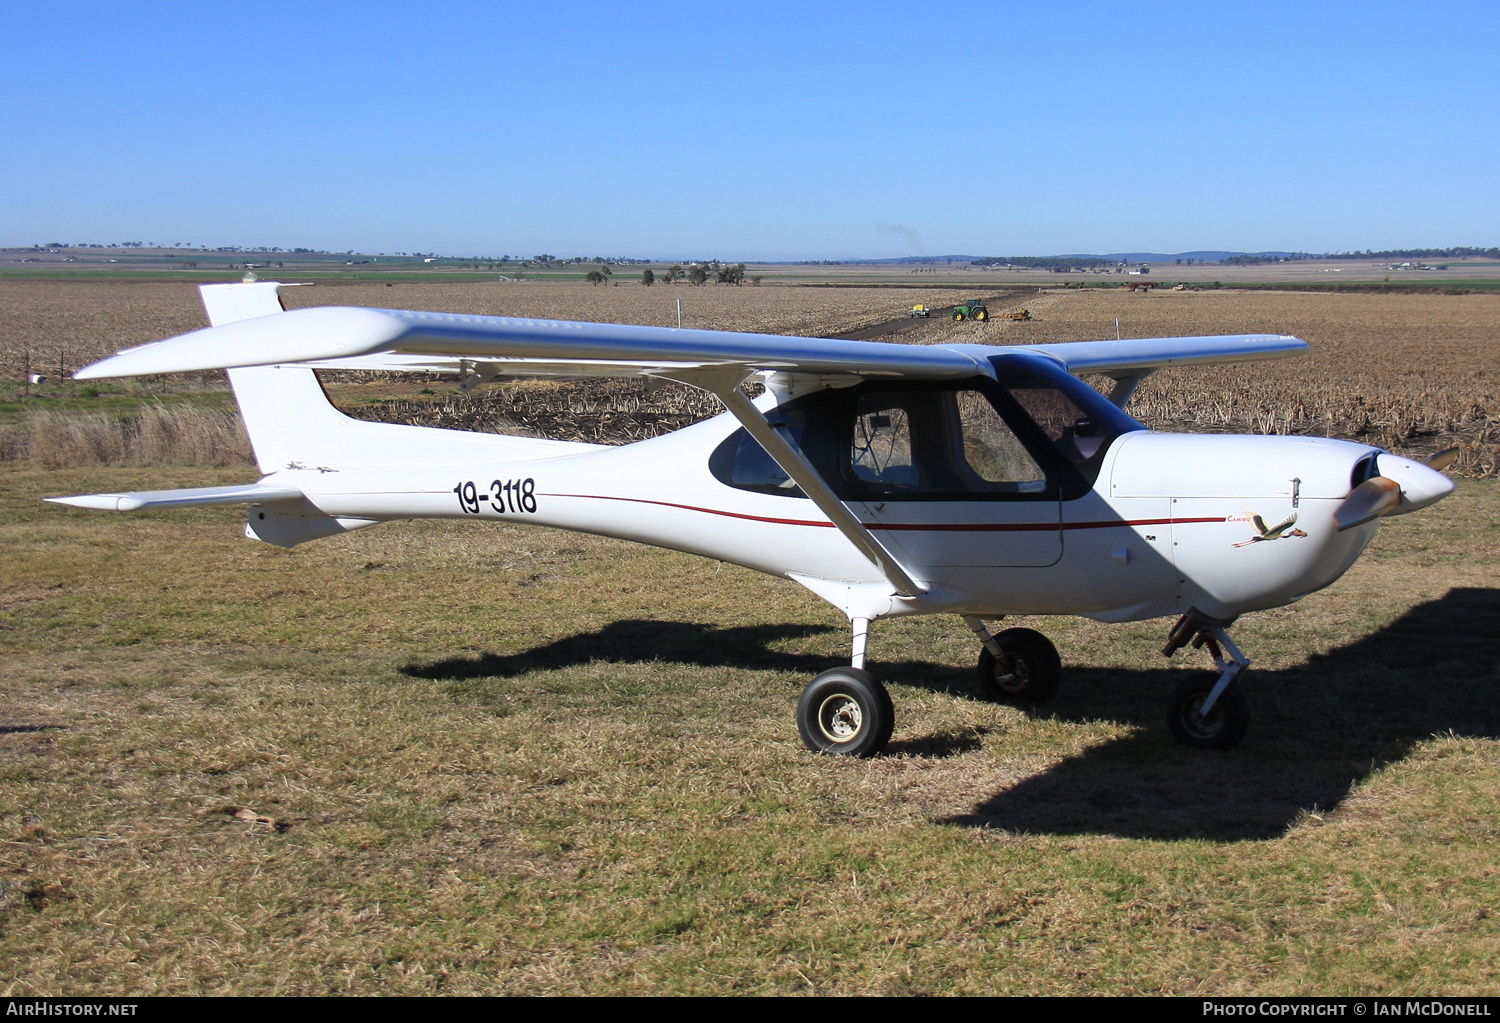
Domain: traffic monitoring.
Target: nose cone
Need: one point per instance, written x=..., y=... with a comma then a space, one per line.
x=1420, y=485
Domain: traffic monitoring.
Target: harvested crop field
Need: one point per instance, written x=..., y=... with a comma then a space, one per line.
x=1413, y=373
x=88, y=320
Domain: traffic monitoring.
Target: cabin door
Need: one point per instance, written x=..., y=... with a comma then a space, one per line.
x=946, y=481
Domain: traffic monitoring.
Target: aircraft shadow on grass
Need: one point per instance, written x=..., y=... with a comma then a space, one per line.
x=1318, y=729
x=636, y=641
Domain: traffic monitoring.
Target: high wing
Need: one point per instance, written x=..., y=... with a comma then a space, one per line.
x=1134, y=358
x=325, y=334
x=356, y=338
x=1116, y=358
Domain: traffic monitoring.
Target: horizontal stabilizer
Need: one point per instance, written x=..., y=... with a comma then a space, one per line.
x=252, y=493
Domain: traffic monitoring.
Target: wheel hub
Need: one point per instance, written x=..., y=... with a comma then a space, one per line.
x=1199, y=724
x=1011, y=674
x=840, y=717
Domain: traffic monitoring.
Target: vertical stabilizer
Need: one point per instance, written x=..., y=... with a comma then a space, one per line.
x=293, y=425
x=230, y=303
x=286, y=412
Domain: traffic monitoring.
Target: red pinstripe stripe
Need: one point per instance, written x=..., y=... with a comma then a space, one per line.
x=943, y=527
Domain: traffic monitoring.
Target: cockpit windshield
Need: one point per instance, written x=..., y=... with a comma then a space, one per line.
x=1040, y=435
x=1078, y=420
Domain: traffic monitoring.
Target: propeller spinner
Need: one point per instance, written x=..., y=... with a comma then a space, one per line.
x=1401, y=486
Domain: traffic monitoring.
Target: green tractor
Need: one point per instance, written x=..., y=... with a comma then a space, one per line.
x=974, y=309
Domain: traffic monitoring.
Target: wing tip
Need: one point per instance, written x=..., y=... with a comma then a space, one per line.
x=93, y=502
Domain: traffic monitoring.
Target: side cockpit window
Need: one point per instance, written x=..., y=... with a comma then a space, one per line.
x=1040, y=434
x=938, y=442
x=1070, y=428
x=881, y=454
x=991, y=448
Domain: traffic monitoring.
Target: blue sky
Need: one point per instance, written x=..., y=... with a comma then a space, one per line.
x=752, y=131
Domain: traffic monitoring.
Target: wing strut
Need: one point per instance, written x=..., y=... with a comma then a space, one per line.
x=726, y=383
x=1125, y=385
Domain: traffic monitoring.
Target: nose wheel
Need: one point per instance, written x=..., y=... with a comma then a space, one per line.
x=1220, y=727
x=1210, y=711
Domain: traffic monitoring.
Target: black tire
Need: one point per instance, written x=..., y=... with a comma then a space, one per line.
x=957, y=316
x=1226, y=723
x=1029, y=670
x=981, y=314
x=846, y=712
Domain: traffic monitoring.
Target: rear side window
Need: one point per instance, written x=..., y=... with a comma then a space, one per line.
x=741, y=462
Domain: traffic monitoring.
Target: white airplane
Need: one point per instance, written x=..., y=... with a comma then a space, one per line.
x=888, y=479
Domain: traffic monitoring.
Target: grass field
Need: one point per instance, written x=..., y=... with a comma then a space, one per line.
x=462, y=758
x=499, y=760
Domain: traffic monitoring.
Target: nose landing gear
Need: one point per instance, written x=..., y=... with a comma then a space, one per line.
x=1208, y=712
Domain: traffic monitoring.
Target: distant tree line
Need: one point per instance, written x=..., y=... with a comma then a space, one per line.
x=1257, y=258
x=1454, y=253
x=1244, y=259
x=1045, y=262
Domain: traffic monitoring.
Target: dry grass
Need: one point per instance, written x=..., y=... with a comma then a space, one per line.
x=155, y=434
x=459, y=758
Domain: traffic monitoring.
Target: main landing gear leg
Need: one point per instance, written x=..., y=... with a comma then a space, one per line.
x=1209, y=712
x=845, y=711
x=861, y=642
x=986, y=638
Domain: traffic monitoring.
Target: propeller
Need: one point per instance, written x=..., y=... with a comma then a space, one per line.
x=1442, y=459
x=1373, y=498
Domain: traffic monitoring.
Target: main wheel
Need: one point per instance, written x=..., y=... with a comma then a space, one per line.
x=981, y=314
x=847, y=712
x=1221, y=728
x=1028, y=669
